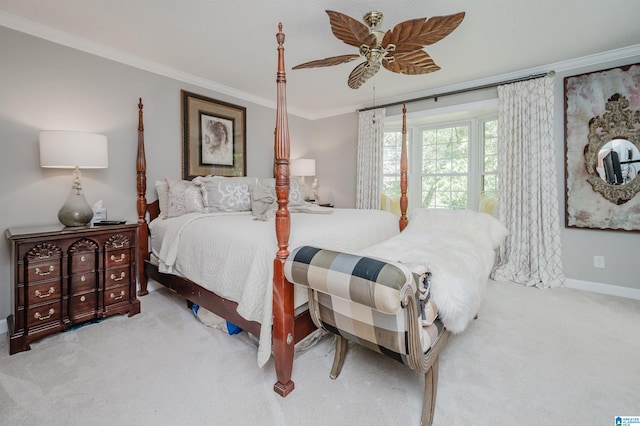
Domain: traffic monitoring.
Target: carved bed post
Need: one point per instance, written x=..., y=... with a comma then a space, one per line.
x=143, y=230
x=404, y=203
x=283, y=320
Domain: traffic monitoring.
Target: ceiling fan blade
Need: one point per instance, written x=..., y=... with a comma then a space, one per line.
x=417, y=33
x=411, y=63
x=327, y=62
x=350, y=31
x=362, y=73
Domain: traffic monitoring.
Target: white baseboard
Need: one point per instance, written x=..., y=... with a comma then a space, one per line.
x=612, y=290
x=3, y=326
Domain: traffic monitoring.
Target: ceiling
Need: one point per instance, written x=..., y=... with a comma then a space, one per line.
x=230, y=46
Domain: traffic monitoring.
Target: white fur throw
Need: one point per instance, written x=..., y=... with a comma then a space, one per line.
x=458, y=247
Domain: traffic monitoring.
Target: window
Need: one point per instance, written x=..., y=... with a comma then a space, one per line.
x=453, y=158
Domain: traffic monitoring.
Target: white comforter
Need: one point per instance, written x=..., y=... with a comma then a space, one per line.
x=232, y=254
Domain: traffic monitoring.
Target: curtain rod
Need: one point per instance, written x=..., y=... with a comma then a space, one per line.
x=456, y=92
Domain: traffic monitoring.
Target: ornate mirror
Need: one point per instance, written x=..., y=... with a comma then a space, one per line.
x=612, y=154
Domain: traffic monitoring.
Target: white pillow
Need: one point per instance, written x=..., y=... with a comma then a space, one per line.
x=184, y=197
x=226, y=194
x=263, y=202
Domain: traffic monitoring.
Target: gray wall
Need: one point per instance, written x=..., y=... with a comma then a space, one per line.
x=48, y=86
x=45, y=86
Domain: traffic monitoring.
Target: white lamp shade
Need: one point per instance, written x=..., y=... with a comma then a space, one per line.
x=67, y=149
x=303, y=167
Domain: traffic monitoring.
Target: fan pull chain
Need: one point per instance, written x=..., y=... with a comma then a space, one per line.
x=374, y=102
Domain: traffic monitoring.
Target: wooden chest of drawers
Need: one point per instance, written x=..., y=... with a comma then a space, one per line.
x=66, y=276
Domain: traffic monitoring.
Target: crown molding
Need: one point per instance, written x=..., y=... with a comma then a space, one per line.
x=558, y=67
x=63, y=38
x=60, y=37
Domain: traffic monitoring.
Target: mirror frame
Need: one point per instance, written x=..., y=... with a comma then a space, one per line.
x=585, y=96
x=618, y=122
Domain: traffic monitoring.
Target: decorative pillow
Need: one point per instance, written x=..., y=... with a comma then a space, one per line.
x=488, y=205
x=295, y=194
x=390, y=204
x=226, y=194
x=162, y=187
x=184, y=197
x=263, y=202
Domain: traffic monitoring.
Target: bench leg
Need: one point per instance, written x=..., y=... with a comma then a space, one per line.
x=338, y=359
x=430, y=390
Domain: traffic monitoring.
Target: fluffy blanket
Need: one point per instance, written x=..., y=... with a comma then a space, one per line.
x=458, y=247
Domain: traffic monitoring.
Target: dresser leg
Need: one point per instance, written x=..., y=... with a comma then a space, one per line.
x=135, y=308
x=17, y=341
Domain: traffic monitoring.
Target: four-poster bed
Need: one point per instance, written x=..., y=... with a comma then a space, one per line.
x=286, y=328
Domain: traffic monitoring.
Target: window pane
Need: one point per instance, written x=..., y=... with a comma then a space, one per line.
x=490, y=160
x=490, y=146
x=391, y=186
x=391, y=151
x=445, y=166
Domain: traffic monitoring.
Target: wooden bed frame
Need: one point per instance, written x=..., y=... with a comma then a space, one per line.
x=288, y=328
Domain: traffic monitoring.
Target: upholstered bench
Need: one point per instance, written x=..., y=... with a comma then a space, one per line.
x=382, y=305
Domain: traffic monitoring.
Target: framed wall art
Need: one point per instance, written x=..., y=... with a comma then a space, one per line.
x=213, y=137
x=602, y=149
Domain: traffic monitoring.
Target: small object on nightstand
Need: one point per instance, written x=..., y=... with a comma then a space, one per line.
x=109, y=222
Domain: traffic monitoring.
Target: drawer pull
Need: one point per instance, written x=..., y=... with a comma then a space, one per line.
x=51, y=269
x=118, y=245
x=39, y=294
x=83, y=278
x=82, y=298
x=39, y=316
x=120, y=259
x=122, y=275
x=82, y=258
x=113, y=296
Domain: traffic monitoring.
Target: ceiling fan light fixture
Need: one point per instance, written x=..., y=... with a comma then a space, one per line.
x=399, y=50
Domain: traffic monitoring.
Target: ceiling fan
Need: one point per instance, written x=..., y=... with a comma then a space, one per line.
x=398, y=50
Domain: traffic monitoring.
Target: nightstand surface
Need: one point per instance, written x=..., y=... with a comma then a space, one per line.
x=57, y=229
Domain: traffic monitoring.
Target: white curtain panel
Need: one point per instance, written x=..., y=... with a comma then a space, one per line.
x=528, y=200
x=369, y=160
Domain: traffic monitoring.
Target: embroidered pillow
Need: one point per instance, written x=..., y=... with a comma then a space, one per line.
x=226, y=194
x=263, y=202
x=184, y=197
x=295, y=194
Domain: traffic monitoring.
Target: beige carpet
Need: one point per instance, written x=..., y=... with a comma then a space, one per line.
x=534, y=357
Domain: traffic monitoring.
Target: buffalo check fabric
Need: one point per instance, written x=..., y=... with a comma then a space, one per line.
x=360, y=298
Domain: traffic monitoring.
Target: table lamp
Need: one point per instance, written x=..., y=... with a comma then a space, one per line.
x=303, y=167
x=74, y=150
